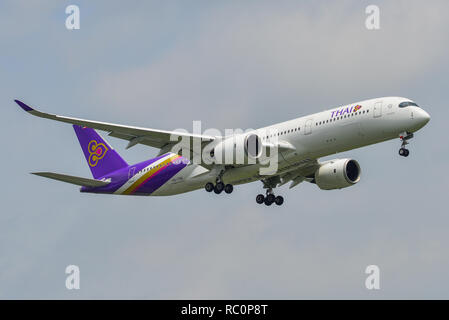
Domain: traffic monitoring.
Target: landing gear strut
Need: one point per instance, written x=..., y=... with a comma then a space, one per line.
x=403, y=152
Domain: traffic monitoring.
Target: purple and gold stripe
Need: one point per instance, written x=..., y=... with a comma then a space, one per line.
x=150, y=174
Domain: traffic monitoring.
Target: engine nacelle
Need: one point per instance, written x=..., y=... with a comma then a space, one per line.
x=238, y=149
x=337, y=174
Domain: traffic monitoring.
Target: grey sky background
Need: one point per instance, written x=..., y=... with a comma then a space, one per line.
x=230, y=64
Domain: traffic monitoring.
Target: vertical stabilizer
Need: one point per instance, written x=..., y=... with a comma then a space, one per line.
x=100, y=156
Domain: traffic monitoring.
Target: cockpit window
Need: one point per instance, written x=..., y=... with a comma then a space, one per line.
x=407, y=104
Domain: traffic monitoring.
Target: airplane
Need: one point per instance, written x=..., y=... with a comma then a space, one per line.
x=299, y=143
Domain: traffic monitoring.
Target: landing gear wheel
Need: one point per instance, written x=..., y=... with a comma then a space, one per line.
x=267, y=201
x=404, y=152
x=271, y=198
x=260, y=198
x=228, y=188
x=209, y=187
x=279, y=200
x=219, y=187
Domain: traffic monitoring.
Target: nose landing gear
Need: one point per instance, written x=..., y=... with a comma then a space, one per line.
x=403, y=152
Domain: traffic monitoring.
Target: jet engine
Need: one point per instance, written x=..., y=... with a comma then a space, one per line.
x=238, y=149
x=337, y=174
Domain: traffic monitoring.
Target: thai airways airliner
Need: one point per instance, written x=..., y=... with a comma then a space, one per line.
x=299, y=144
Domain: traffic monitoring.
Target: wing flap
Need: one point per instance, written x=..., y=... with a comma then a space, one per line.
x=72, y=179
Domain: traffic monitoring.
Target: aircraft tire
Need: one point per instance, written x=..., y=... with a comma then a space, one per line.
x=209, y=187
x=279, y=200
x=260, y=198
x=271, y=197
x=267, y=201
x=228, y=188
x=219, y=187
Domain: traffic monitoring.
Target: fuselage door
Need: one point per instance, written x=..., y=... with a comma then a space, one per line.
x=308, y=129
x=131, y=174
x=377, y=112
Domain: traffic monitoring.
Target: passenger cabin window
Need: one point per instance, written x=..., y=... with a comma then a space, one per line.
x=407, y=104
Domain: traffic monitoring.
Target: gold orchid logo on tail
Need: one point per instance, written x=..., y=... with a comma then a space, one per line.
x=96, y=152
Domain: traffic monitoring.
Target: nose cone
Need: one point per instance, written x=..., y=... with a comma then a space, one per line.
x=423, y=117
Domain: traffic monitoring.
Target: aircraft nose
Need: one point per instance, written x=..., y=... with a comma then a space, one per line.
x=423, y=117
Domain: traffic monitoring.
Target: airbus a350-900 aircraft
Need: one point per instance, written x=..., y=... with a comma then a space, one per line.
x=299, y=144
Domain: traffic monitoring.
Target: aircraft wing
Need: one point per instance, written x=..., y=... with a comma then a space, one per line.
x=303, y=172
x=135, y=135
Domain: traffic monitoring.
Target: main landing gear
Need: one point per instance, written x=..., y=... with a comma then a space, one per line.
x=219, y=187
x=269, y=199
x=403, y=152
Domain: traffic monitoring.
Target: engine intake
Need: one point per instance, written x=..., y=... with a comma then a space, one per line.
x=337, y=174
x=253, y=146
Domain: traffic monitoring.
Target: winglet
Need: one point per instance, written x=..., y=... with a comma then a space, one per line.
x=24, y=106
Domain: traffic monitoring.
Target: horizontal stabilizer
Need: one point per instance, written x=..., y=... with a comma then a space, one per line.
x=72, y=179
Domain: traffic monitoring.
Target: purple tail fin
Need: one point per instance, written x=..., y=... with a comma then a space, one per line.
x=100, y=156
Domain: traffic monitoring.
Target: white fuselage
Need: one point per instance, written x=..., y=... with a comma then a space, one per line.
x=321, y=134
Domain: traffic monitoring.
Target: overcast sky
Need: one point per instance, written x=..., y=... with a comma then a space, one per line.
x=230, y=64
